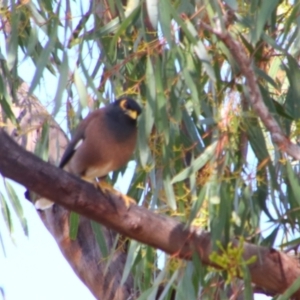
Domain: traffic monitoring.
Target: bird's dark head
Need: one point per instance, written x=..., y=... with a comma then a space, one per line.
x=129, y=107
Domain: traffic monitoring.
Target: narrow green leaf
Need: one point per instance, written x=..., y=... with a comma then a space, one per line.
x=199, y=271
x=197, y=205
x=44, y=58
x=165, y=21
x=192, y=130
x=148, y=268
x=36, y=13
x=266, y=77
x=7, y=109
x=198, y=163
x=270, y=240
x=2, y=245
x=16, y=204
x=185, y=288
x=257, y=140
x=42, y=144
x=6, y=213
x=5, y=103
x=151, y=293
x=146, y=120
x=62, y=82
x=162, y=124
x=109, y=28
x=293, y=180
x=153, y=12
x=192, y=87
x=232, y=4
x=90, y=77
x=169, y=285
x=171, y=199
x=100, y=238
x=264, y=12
x=180, y=22
x=275, y=68
x=290, y=291
x=294, y=242
x=287, y=25
x=293, y=73
x=131, y=256
x=248, y=291
x=201, y=52
x=146, y=294
x=81, y=89
x=32, y=43
x=72, y=119
x=123, y=26
x=12, y=53
x=74, y=225
x=111, y=254
x=205, y=58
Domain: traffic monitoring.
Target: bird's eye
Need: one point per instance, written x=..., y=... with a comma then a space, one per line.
x=124, y=104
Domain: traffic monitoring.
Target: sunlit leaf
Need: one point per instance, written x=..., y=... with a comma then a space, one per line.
x=81, y=89
x=198, y=163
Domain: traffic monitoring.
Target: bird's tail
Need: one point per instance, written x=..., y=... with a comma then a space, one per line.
x=43, y=204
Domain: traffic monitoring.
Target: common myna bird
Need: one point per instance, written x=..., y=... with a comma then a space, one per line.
x=103, y=142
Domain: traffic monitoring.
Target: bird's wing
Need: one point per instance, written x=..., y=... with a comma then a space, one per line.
x=75, y=142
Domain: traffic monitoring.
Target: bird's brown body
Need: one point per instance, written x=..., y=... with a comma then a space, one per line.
x=103, y=142
x=104, y=158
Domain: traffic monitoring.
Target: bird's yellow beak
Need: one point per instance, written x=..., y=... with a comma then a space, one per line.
x=132, y=113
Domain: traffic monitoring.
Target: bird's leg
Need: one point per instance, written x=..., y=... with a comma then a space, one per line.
x=99, y=184
x=105, y=187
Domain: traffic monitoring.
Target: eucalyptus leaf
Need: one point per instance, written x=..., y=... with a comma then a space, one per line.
x=197, y=164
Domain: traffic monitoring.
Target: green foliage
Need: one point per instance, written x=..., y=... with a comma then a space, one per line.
x=231, y=259
x=203, y=155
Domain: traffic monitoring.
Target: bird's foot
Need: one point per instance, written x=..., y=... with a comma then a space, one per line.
x=127, y=200
x=107, y=188
x=103, y=186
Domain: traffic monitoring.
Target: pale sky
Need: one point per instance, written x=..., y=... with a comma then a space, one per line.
x=34, y=268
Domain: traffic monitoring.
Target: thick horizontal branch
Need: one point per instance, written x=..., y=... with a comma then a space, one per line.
x=135, y=222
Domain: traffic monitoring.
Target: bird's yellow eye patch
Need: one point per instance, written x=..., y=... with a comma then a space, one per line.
x=123, y=104
x=133, y=114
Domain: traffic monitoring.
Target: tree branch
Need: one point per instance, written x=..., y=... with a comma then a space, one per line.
x=255, y=97
x=136, y=222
